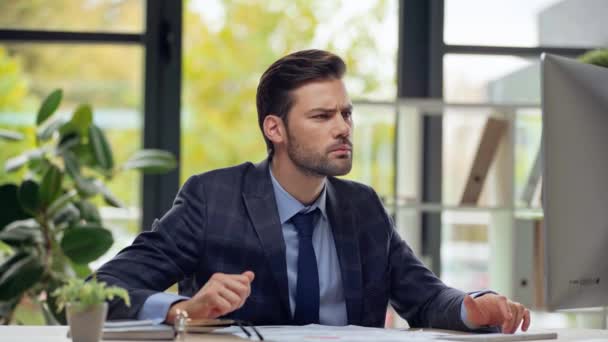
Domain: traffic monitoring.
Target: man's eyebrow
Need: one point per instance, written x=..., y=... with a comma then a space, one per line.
x=348, y=107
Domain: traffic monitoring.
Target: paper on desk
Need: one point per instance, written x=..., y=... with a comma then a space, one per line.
x=324, y=333
x=521, y=336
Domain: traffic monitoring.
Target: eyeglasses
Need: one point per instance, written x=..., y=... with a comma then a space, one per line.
x=243, y=324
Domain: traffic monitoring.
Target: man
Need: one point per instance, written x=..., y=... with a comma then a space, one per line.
x=284, y=241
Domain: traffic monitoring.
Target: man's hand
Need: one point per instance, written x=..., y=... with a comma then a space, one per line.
x=222, y=294
x=496, y=310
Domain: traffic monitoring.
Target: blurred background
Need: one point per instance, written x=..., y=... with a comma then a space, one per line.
x=425, y=78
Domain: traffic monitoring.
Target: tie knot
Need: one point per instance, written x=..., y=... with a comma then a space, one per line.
x=304, y=223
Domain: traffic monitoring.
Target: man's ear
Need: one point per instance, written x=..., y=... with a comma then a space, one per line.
x=274, y=129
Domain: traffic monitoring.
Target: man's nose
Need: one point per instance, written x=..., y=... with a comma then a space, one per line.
x=342, y=127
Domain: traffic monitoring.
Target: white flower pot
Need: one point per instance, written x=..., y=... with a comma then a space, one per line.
x=86, y=324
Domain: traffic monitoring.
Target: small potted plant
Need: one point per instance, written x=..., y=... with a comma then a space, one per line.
x=86, y=307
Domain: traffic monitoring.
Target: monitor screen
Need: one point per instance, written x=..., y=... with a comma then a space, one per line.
x=575, y=182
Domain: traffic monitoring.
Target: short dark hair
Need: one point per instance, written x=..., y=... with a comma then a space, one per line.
x=291, y=72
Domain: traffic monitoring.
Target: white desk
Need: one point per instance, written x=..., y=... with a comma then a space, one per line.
x=58, y=334
x=15, y=333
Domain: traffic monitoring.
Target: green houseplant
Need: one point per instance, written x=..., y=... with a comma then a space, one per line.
x=50, y=227
x=597, y=57
x=86, y=307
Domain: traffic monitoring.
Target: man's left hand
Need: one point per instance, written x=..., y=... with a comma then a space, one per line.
x=496, y=310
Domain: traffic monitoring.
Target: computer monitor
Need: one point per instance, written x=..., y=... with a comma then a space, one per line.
x=575, y=182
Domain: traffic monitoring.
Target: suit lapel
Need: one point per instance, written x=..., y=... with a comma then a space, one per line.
x=258, y=196
x=346, y=237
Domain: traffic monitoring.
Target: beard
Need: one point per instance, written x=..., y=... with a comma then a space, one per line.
x=318, y=163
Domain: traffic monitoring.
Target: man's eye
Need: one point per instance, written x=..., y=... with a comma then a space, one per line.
x=321, y=116
x=347, y=114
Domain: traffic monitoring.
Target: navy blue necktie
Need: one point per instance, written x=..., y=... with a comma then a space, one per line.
x=307, y=295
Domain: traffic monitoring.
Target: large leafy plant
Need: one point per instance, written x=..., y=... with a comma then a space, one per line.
x=50, y=226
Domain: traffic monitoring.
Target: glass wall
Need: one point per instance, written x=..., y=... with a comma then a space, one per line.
x=87, y=74
x=109, y=77
x=493, y=57
x=526, y=23
x=74, y=15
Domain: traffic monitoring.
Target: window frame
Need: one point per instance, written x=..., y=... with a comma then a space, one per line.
x=420, y=75
x=162, y=44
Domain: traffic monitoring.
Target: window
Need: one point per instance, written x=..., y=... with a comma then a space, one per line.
x=87, y=73
x=97, y=51
x=227, y=46
x=490, y=54
x=495, y=79
x=74, y=15
x=526, y=23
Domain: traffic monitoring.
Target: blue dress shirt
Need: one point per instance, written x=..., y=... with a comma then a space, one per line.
x=332, y=308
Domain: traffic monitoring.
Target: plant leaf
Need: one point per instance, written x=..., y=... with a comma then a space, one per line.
x=86, y=186
x=79, y=124
x=10, y=135
x=13, y=164
x=69, y=214
x=85, y=243
x=112, y=200
x=108, y=196
x=88, y=211
x=72, y=167
x=50, y=188
x=49, y=106
x=9, y=202
x=151, y=161
x=21, y=232
x=85, y=293
x=20, y=276
x=61, y=202
x=82, y=118
x=68, y=142
x=49, y=316
x=51, y=301
x=82, y=270
x=597, y=57
x=38, y=164
x=29, y=196
x=4, y=266
x=46, y=131
x=85, y=155
x=101, y=148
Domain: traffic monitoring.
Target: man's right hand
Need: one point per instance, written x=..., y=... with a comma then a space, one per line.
x=222, y=294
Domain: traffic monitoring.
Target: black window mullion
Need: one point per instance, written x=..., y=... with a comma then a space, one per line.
x=421, y=75
x=40, y=36
x=162, y=101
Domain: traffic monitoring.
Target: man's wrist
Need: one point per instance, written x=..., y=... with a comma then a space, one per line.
x=157, y=306
x=464, y=313
x=172, y=313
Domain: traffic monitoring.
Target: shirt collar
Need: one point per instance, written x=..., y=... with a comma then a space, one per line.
x=289, y=206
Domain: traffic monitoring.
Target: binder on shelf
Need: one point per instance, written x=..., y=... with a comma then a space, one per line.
x=492, y=133
x=532, y=184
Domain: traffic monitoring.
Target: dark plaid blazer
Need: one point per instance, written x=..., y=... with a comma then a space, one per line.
x=227, y=221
